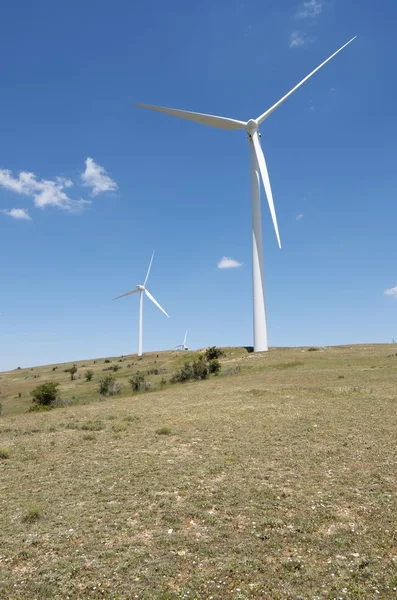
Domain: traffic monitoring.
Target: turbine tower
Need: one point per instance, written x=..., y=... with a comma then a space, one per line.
x=258, y=170
x=183, y=346
x=141, y=289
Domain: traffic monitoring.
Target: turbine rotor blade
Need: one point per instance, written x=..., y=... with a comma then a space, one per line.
x=184, y=341
x=211, y=120
x=266, y=181
x=149, y=295
x=148, y=271
x=127, y=294
x=264, y=116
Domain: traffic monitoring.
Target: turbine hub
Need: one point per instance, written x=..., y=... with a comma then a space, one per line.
x=141, y=288
x=252, y=126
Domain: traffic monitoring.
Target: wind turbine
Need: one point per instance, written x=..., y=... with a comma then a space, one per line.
x=258, y=168
x=183, y=346
x=141, y=289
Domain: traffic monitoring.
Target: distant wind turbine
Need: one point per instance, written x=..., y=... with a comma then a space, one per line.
x=141, y=289
x=258, y=168
x=183, y=346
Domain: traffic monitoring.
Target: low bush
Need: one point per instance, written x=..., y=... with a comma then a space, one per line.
x=213, y=352
x=214, y=366
x=4, y=453
x=89, y=375
x=46, y=393
x=138, y=382
x=39, y=408
x=164, y=431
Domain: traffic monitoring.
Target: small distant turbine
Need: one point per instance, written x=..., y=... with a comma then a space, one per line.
x=258, y=170
x=183, y=346
x=141, y=289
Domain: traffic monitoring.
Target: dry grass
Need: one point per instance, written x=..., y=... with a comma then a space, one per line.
x=278, y=482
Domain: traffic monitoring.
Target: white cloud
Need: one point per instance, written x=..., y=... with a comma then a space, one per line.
x=228, y=263
x=96, y=177
x=299, y=217
x=45, y=192
x=17, y=213
x=296, y=39
x=392, y=292
x=310, y=9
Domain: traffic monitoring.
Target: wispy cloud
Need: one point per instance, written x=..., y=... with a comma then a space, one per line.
x=310, y=9
x=45, y=192
x=97, y=178
x=392, y=292
x=17, y=213
x=299, y=217
x=296, y=39
x=228, y=263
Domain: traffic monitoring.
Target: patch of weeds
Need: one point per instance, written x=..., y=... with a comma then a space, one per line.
x=288, y=365
x=39, y=408
x=52, y=429
x=130, y=418
x=341, y=376
x=111, y=417
x=92, y=426
x=119, y=426
x=89, y=436
x=33, y=514
x=72, y=426
x=232, y=370
x=312, y=349
x=164, y=431
x=4, y=452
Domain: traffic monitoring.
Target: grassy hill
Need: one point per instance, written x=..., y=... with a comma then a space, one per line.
x=274, y=480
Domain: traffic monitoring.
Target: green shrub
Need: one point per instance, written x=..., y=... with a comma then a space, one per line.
x=89, y=375
x=163, y=431
x=312, y=349
x=107, y=360
x=4, y=452
x=92, y=426
x=106, y=384
x=197, y=369
x=33, y=514
x=46, y=393
x=214, y=366
x=40, y=408
x=138, y=382
x=213, y=352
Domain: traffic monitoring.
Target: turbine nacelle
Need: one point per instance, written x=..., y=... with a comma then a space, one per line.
x=252, y=126
x=141, y=288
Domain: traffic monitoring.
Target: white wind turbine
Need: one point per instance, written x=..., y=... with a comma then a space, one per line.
x=141, y=289
x=258, y=167
x=183, y=346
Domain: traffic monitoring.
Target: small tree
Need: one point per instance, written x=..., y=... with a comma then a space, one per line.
x=46, y=393
x=213, y=352
x=72, y=371
x=89, y=375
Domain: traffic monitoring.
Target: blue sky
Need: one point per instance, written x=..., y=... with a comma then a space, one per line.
x=70, y=72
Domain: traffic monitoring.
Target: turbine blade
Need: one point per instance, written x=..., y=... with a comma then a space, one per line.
x=184, y=341
x=260, y=119
x=213, y=121
x=266, y=181
x=127, y=294
x=149, y=295
x=148, y=271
